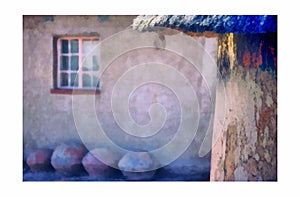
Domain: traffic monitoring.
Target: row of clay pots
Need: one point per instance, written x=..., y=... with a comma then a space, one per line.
x=73, y=159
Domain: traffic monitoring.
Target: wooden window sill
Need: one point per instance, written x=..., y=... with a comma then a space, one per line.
x=74, y=91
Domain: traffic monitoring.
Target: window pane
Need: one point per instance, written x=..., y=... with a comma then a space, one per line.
x=74, y=62
x=74, y=46
x=63, y=79
x=87, y=63
x=86, y=80
x=88, y=46
x=95, y=63
x=96, y=82
x=64, y=63
x=96, y=49
x=74, y=80
x=64, y=46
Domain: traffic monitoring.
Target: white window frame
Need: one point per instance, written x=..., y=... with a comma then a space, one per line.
x=80, y=55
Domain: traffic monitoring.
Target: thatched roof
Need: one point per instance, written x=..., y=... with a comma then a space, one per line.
x=213, y=23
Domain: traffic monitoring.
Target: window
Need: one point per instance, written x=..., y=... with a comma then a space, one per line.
x=77, y=63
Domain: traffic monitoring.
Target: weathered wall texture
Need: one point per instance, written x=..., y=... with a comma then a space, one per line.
x=244, y=146
x=48, y=118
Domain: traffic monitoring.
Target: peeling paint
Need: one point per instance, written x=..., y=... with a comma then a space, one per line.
x=231, y=48
x=240, y=174
x=256, y=156
x=251, y=109
x=231, y=143
x=269, y=101
x=267, y=157
x=266, y=136
x=247, y=58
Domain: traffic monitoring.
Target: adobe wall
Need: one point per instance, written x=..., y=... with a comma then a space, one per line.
x=49, y=118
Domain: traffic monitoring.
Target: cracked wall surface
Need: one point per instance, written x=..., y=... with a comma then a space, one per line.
x=244, y=144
